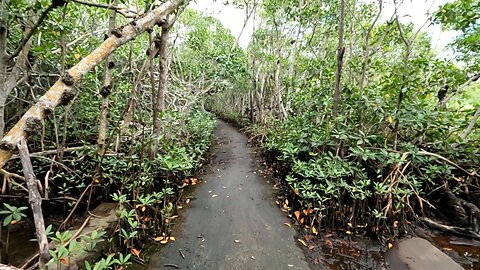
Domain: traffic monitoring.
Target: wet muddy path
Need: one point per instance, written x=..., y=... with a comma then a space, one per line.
x=233, y=221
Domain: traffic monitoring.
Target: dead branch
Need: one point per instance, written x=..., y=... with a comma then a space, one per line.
x=450, y=229
x=35, y=202
x=52, y=152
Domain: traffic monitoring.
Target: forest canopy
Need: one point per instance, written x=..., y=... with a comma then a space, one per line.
x=362, y=120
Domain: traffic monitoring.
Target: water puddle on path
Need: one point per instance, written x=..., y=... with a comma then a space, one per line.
x=20, y=243
x=338, y=252
x=464, y=251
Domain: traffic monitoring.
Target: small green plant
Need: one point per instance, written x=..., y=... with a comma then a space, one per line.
x=91, y=241
x=12, y=214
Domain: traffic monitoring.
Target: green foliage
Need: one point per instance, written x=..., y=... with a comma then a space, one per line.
x=366, y=175
x=209, y=54
x=463, y=16
x=12, y=214
x=374, y=163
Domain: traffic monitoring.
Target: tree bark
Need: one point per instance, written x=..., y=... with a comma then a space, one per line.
x=8, y=267
x=35, y=202
x=62, y=91
x=159, y=102
x=459, y=89
x=340, y=54
x=106, y=90
x=8, y=80
x=471, y=125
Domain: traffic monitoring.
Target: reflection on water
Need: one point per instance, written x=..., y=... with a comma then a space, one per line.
x=20, y=246
x=462, y=250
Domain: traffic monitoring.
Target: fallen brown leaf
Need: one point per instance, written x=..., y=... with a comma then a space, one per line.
x=297, y=214
x=303, y=242
x=158, y=239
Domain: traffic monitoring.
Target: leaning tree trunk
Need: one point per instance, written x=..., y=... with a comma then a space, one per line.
x=35, y=203
x=62, y=91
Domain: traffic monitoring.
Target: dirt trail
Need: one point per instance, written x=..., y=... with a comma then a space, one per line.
x=234, y=204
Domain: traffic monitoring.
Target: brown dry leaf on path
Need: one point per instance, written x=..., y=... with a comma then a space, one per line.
x=287, y=224
x=297, y=214
x=314, y=230
x=194, y=181
x=303, y=242
x=136, y=252
x=158, y=239
x=214, y=196
x=237, y=241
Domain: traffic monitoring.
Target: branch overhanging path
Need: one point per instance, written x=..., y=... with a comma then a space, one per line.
x=62, y=91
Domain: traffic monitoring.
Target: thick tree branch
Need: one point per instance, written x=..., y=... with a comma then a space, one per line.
x=459, y=89
x=471, y=125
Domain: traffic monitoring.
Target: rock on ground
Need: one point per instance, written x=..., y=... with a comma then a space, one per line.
x=419, y=254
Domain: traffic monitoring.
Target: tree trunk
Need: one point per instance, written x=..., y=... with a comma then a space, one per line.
x=340, y=54
x=106, y=90
x=279, y=89
x=62, y=91
x=35, y=202
x=159, y=102
x=9, y=80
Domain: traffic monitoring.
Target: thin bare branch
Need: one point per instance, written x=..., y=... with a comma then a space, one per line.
x=122, y=11
x=31, y=31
